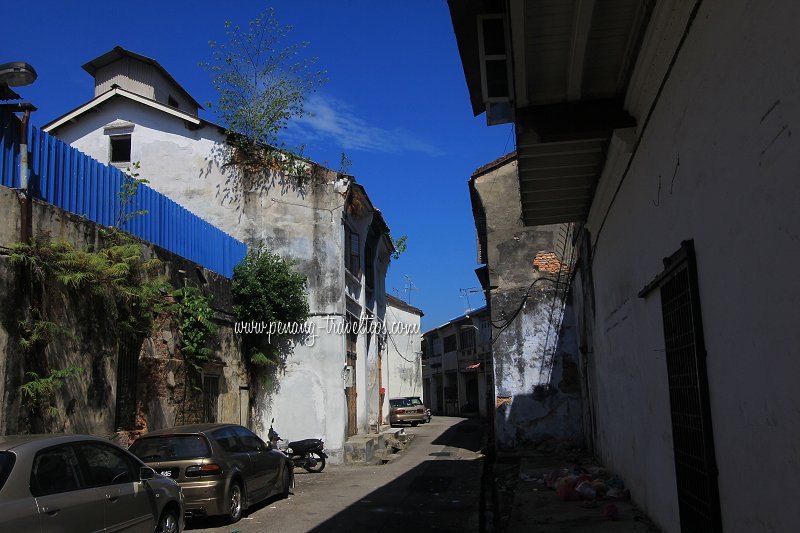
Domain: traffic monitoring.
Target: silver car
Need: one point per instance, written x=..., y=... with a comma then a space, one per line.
x=81, y=483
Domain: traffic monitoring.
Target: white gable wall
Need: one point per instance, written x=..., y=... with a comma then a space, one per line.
x=402, y=359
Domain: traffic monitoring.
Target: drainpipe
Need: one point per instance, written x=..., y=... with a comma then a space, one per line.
x=26, y=213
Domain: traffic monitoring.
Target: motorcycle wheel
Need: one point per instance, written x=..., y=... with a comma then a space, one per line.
x=320, y=466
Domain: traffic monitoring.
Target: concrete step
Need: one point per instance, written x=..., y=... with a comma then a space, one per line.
x=371, y=448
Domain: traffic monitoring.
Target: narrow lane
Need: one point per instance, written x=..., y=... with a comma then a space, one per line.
x=434, y=485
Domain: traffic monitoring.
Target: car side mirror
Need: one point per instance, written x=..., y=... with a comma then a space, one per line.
x=146, y=473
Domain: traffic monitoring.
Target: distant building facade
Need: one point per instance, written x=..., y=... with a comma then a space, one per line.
x=457, y=365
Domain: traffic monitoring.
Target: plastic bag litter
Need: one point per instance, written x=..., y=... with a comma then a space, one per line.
x=618, y=494
x=567, y=493
x=566, y=481
x=615, y=482
x=586, y=491
x=551, y=478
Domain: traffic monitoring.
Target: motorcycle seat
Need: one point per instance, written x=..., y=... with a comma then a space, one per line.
x=300, y=446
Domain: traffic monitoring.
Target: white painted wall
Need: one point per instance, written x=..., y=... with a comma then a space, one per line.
x=303, y=224
x=402, y=358
x=729, y=115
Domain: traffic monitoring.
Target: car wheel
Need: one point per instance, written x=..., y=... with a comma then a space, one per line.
x=235, y=502
x=168, y=523
x=320, y=466
x=287, y=481
x=414, y=424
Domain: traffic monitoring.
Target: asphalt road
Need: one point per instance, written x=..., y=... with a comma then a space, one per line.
x=434, y=485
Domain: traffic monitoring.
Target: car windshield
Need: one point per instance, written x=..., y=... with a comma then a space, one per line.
x=6, y=463
x=171, y=448
x=401, y=402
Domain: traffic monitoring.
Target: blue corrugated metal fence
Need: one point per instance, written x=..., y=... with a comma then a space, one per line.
x=73, y=181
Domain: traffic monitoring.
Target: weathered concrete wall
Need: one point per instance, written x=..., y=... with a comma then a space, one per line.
x=91, y=341
x=522, y=262
x=402, y=357
x=300, y=221
x=181, y=163
x=717, y=163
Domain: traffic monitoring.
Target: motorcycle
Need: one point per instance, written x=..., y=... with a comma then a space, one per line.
x=305, y=453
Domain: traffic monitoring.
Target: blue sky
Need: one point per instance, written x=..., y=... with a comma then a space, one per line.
x=396, y=103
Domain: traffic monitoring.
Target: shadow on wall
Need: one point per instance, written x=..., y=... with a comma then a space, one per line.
x=552, y=413
x=258, y=171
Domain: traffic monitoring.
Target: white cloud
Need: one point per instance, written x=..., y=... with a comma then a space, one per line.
x=330, y=119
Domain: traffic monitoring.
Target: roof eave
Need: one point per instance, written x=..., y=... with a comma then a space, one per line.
x=464, y=15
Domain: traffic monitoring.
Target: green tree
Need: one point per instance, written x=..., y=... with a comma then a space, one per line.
x=261, y=82
x=266, y=290
x=400, y=245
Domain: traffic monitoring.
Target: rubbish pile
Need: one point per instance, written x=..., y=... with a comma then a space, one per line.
x=593, y=484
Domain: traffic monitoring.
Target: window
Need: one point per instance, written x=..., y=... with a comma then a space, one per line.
x=369, y=271
x=249, y=440
x=495, y=79
x=171, y=448
x=352, y=257
x=437, y=346
x=227, y=440
x=6, y=464
x=210, y=397
x=55, y=470
x=450, y=343
x=120, y=148
x=107, y=465
x=467, y=338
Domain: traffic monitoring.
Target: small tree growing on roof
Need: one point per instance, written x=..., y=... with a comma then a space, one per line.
x=262, y=84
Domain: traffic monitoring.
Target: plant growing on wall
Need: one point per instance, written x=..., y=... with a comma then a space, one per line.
x=400, y=245
x=38, y=392
x=118, y=270
x=266, y=290
x=126, y=195
x=261, y=84
x=195, y=317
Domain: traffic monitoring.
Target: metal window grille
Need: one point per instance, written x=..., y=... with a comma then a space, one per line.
x=210, y=397
x=693, y=440
x=127, y=369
